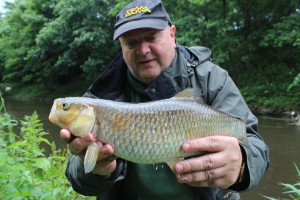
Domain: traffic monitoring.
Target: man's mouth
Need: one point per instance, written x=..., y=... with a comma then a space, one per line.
x=145, y=61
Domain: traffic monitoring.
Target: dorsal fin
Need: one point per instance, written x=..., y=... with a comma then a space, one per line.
x=189, y=94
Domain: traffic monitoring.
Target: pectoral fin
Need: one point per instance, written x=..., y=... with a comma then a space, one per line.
x=91, y=157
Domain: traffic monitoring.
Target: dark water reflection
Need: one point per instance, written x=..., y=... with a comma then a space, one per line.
x=19, y=109
x=282, y=138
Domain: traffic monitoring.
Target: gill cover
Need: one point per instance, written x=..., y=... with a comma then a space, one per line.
x=78, y=118
x=84, y=122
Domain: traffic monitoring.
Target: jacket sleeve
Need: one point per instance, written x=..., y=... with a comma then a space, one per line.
x=219, y=91
x=91, y=184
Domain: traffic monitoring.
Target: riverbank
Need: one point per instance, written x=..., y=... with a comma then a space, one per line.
x=42, y=94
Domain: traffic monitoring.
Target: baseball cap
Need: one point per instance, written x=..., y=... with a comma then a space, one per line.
x=141, y=14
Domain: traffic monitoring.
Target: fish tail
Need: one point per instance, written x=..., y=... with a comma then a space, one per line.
x=91, y=157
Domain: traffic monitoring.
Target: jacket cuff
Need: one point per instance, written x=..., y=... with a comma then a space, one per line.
x=119, y=172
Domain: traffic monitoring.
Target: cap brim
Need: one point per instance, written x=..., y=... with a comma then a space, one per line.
x=143, y=23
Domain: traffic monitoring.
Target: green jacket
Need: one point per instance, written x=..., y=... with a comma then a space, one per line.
x=192, y=67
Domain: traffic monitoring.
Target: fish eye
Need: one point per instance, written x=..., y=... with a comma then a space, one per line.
x=65, y=106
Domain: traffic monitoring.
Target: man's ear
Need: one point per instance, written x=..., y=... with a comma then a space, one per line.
x=173, y=33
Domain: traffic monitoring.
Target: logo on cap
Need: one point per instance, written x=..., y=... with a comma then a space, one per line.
x=137, y=10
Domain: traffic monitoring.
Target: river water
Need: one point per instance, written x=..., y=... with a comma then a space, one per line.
x=282, y=138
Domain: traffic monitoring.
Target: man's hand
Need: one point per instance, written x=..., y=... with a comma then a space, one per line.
x=106, y=163
x=220, y=167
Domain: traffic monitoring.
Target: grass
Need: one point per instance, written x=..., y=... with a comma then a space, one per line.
x=292, y=190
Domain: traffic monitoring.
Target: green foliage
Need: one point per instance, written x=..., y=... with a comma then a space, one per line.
x=270, y=98
x=292, y=190
x=39, y=92
x=26, y=172
x=295, y=83
x=17, y=37
x=78, y=40
x=284, y=33
x=55, y=42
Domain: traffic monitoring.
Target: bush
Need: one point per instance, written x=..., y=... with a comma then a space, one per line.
x=270, y=99
x=25, y=171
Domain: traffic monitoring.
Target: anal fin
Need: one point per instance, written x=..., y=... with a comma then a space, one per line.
x=91, y=157
x=172, y=164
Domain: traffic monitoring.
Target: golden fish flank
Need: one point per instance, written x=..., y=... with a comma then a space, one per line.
x=146, y=133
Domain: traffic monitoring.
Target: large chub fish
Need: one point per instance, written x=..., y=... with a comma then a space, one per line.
x=144, y=133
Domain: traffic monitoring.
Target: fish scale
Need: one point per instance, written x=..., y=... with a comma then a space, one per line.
x=155, y=143
x=145, y=133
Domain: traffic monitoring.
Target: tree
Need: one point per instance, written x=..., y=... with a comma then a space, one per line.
x=56, y=41
x=18, y=31
x=78, y=41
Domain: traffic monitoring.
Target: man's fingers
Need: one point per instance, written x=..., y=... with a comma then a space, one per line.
x=105, y=167
x=219, y=167
x=220, y=183
x=106, y=160
x=201, y=163
x=68, y=137
x=208, y=178
x=205, y=144
x=199, y=176
x=72, y=137
x=77, y=146
x=105, y=152
x=65, y=135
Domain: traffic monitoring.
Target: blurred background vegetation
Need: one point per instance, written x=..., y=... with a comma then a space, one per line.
x=51, y=48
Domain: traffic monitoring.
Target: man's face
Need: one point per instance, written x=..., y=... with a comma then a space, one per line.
x=148, y=52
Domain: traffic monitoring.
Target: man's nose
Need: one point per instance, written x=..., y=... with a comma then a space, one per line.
x=143, y=48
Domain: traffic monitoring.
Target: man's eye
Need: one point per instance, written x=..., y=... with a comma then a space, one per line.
x=131, y=44
x=151, y=38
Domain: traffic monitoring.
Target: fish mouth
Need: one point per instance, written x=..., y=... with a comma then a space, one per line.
x=52, y=118
x=55, y=120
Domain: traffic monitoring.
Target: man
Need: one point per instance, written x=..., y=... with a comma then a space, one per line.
x=153, y=66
